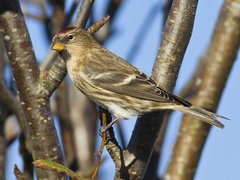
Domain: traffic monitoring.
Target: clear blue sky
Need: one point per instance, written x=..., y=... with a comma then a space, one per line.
x=220, y=159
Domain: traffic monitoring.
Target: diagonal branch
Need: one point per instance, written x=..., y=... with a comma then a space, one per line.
x=8, y=98
x=220, y=56
x=83, y=13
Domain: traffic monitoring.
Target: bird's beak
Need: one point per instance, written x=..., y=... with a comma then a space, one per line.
x=58, y=46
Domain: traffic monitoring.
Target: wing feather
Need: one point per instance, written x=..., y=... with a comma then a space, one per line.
x=125, y=79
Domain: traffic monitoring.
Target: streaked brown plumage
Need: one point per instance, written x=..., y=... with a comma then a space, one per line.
x=113, y=83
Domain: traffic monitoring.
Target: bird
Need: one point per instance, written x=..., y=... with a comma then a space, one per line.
x=113, y=83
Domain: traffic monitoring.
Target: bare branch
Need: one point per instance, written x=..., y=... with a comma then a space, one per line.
x=95, y=27
x=104, y=135
x=83, y=13
x=19, y=175
x=42, y=135
x=176, y=36
x=8, y=98
x=220, y=56
x=83, y=116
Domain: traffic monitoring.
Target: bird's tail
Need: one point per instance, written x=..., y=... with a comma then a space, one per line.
x=201, y=114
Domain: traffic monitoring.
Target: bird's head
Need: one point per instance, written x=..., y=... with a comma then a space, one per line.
x=70, y=41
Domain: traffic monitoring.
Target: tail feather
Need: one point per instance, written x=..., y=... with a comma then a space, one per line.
x=201, y=114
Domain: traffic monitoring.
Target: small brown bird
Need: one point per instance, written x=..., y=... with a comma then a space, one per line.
x=113, y=83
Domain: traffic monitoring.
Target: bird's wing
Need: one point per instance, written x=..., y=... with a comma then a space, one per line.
x=139, y=86
x=132, y=83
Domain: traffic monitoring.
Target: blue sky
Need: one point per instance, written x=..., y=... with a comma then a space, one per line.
x=220, y=159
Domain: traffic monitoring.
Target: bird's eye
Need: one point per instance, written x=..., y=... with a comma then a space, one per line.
x=70, y=37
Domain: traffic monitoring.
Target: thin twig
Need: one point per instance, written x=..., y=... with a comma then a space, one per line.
x=99, y=154
x=95, y=27
x=19, y=175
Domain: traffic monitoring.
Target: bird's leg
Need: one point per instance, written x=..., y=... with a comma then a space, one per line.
x=105, y=128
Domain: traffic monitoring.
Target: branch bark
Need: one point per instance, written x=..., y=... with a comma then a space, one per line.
x=176, y=36
x=41, y=132
x=220, y=56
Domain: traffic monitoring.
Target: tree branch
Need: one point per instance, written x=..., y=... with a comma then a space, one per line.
x=176, y=36
x=220, y=56
x=42, y=134
x=83, y=13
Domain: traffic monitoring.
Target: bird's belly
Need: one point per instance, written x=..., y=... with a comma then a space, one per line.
x=119, y=111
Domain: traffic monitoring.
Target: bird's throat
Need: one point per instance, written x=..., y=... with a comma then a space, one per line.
x=65, y=55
